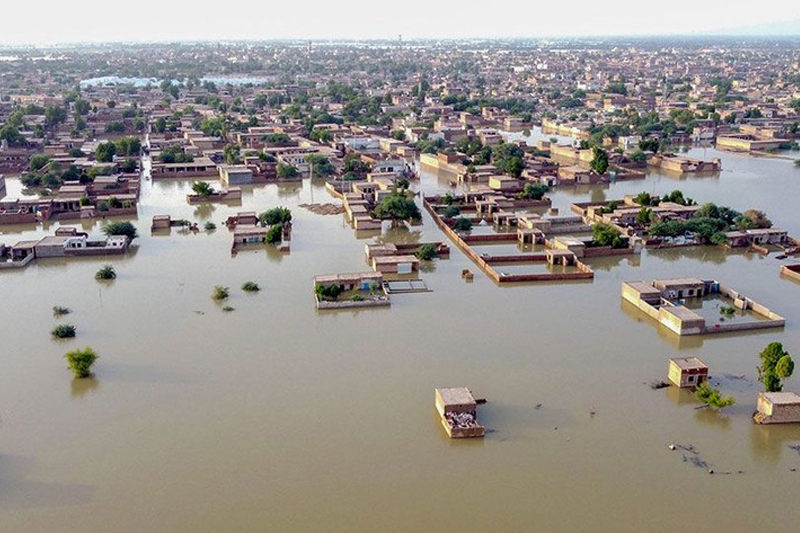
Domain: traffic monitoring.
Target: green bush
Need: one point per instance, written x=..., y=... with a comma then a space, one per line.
x=328, y=292
x=275, y=234
x=427, y=252
x=712, y=397
x=63, y=331
x=451, y=211
x=121, y=228
x=462, y=224
x=81, y=361
x=250, y=286
x=106, y=272
x=61, y=311
x=210, y=226
x=276, y=215
x=220, y=293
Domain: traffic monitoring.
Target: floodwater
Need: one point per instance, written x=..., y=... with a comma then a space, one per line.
x=276, y=417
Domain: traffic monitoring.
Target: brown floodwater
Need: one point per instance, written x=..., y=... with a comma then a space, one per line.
x=276, y=417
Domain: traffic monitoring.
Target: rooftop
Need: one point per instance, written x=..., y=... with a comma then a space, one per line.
x=781, y=398
x=688, y=363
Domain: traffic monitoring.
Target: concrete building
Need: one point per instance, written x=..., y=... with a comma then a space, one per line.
x=687, y=372
x=777, y=408
x=458, y=411
x=235, y=175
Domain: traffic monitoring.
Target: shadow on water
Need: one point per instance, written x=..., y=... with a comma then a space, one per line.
x=18, y=492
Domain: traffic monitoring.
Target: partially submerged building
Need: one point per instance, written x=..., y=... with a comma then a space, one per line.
x=665, y=301
x=777, y=408
x=458, y=411
x=687, y=372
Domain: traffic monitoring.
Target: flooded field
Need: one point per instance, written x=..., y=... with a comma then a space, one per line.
x=277, y=417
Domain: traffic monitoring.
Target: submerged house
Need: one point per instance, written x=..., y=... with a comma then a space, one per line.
x=777, y=408
x=687, y=372
x=457, y=409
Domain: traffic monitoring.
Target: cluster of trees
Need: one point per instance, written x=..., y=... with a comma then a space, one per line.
x=607, y=235
x=533, y=191
x=320, y=165
x=776, y=365
x=509, y=159
x=328, y=292
x=276, y=215
x=710, y=222
x=398, y=205
x=175, y=154
x=286, y=172
x=124, y=147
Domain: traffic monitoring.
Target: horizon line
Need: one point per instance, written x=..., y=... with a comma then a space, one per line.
x=404, y=40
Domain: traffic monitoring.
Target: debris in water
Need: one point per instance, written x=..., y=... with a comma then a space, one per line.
x=658, y=384
x=537, y=406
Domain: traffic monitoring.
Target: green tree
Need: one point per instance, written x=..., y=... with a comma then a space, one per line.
x=753, y=219
x=81, y=361
x=712, y=397
x=286, y=172
x=776, y=365
x=275, y=234
x=462, y=225
x=231, y=153
x=54, y=115
x=203, y=189
x=105, y=152
x=397, y=206
x=427, y=252
x=39, y=162
x=121, y=228
x=106, y=272
x=607, y=235
x=645, y=216
x=533, y=191
x=276, y=215
x=320, y=165
x=599, y=160
x=650, y=144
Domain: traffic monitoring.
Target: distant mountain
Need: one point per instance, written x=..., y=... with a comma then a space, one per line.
x=788, y=28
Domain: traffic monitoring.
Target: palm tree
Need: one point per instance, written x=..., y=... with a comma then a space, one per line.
x=202, y=188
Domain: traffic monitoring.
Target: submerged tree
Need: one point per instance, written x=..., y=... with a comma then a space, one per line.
x=599, y=160
x=105, y=273
x=712, y=397
x=121, y=228
x=203, y=189
x=81, y=361
x=397, y=206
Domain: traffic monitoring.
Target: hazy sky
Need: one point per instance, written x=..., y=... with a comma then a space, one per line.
x=54, y=21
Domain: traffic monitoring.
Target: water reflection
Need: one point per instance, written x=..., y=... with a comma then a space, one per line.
x=78, y=388
x=680, y=396
x=713, y=418
x=206, y=210
x=767, y=442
